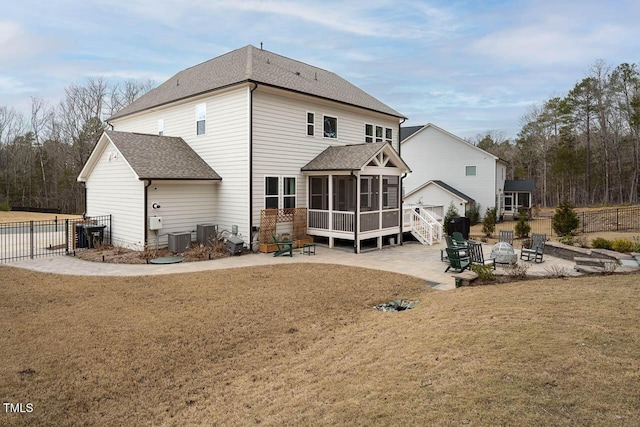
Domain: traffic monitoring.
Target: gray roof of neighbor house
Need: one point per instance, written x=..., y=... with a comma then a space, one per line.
x=346, y=157
x=250, y=64
x=407, y=131
x=521, y=185
x=453, y=190
x=161, y=157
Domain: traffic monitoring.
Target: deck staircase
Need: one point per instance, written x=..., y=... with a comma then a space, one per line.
x=423, y=224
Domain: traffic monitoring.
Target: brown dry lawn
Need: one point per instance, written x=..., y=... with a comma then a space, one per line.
x=16, y=216
x=301, y=345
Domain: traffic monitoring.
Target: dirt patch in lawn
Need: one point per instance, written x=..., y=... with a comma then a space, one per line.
x=301, y=344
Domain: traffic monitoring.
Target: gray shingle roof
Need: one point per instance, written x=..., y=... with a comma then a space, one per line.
x=250, y=64
x=522, y=185
x=407, y=131
x=344, y=157
x=161, y=157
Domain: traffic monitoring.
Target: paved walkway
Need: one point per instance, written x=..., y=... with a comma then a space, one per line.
x=413, y=259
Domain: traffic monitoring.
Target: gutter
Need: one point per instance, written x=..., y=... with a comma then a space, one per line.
x=251, y=230
x=146, y=226
x=401, y=213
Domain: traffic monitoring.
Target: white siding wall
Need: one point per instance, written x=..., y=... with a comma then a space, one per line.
x=432, y=154
x=183, y=206
x=113, y=188
x=280, y=142
x=501, y=176
x=225, y=146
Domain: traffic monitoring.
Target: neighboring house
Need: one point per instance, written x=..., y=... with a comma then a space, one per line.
x=274, y=133
x=517, y=196
x=447, y=169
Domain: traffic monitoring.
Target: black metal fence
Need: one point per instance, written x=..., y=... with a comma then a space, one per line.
x=618, y=219
x=615, y=219
x=35, y=239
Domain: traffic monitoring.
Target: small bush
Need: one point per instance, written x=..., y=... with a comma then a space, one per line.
x=565, y=220
x=4, y=206
x=555, y=270
x=452, y=212
x=517, y=270
x=623, y=245
x=484, y=272
x=636, y=242
x=581, y=241
x=489, y=221
x=600, y=243
x=522, y=228
x=474, y=214
x=567, y=240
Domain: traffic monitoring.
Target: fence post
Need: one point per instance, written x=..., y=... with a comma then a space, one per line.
x=66, y=235
x=617, y=219
x=31, y=239
x=583, y=222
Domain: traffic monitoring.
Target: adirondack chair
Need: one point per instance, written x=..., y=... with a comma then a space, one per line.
x=535, y=251
x=457, y=261
x=284, y=247
x=506, y=236
x=451, y=243
x=477, y=256
x=459, y=238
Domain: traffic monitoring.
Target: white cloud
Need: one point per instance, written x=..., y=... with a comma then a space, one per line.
x=9, y=85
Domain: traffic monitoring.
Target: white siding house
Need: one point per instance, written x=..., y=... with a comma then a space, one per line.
x=434, y=154
x=256, y=119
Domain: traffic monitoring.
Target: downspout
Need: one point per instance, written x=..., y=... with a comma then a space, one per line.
x=400, y=189
x=146, y=187
x=356, y=215
x=251, y=230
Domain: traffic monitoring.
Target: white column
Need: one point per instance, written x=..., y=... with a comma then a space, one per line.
x=330, y=190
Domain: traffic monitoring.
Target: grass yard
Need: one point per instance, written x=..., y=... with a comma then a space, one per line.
x=301, y=345
x=17, y=216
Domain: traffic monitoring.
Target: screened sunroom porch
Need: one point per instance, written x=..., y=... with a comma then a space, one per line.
x=354, y=193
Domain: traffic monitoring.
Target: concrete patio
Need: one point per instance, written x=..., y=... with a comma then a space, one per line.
x=412, y=258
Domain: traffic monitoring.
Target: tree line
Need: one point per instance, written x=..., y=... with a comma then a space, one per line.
x=583, y=147
x=42, y=152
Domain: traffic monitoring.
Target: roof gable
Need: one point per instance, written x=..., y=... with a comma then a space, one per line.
x=352, y=157
x=413, y=131
x=444, y=186
x=153, y=157
x=250, y=64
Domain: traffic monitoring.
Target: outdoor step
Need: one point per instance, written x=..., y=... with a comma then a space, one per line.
x=589, y=269
x=465, y=278
x=611, y=254
x=597, y=262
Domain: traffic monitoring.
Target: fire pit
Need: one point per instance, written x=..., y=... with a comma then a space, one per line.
x=503, y=253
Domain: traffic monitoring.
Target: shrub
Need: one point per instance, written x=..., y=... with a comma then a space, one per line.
x=517, y=270
x=636, y=242
x=623, y=245
x=4, y=206
x=581, y=241
x=555, y=270
x=565, y=220
x=522, y=228
x=600, y=243
x=489, y=221
x=452, y=212
x=474, y=214
x=567, y=240
x=484, y=272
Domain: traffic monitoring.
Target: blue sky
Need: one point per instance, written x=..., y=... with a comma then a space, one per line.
x=465, y=66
